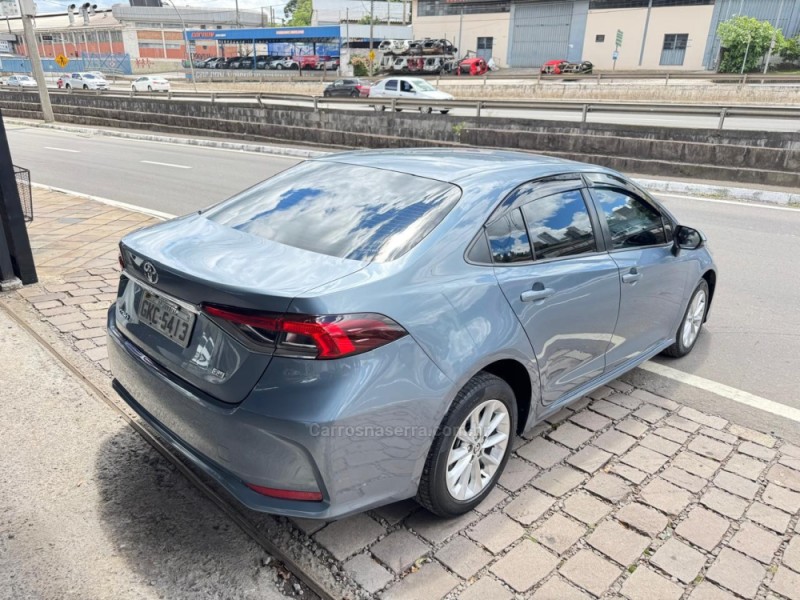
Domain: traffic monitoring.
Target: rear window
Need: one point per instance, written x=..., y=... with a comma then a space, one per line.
x=341, y=210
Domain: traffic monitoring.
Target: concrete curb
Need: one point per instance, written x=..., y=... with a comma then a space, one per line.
x=653, y=185
x=719, y=191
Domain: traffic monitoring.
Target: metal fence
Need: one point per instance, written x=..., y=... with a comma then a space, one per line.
x=23, y=177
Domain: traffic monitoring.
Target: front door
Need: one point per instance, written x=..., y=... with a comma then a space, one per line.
x=653, y=280
x=485, y=45
x=552, y=267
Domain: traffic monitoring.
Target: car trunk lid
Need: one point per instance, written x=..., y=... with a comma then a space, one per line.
x=174, y=269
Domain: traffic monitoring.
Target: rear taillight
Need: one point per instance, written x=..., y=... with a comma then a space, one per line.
x=306, y=336
x=286, y=494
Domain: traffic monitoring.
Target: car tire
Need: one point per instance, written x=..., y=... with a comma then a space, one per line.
x=355, y=94
x=86, y=87
x=691, y=323
x=444, y=111
x=68, y=86
x=279, y=67
x=133, y=89
x=482, y=392
x=149, y=88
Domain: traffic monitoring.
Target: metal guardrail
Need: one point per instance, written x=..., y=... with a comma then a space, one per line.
x=478, y=106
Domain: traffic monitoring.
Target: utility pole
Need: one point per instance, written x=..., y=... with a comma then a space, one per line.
x=28, y=11
x=404, y=12
x=185, y=41
x=774, y=38
x=460, y=29
x=238, y=23
x=371, y=30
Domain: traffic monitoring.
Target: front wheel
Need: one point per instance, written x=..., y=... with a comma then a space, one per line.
x=149, y=88
x=86, y=87
x=279, y=67
x=692, y=323
x=133, y=89
x=471, y=447
x=444, y=111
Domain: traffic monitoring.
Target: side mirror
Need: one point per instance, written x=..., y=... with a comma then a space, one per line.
x=687, y=238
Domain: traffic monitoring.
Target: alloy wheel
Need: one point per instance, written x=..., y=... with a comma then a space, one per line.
x=694, y=319
x=478, y=450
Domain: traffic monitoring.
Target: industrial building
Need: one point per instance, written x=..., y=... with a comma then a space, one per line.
x=652, y=34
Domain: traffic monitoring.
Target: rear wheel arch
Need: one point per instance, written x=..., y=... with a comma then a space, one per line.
x=517, y=377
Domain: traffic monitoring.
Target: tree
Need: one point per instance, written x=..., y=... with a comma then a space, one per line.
x=746, y=41
x=298, y=12
x=791, y=50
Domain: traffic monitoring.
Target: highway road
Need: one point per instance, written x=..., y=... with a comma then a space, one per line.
x=752, y=340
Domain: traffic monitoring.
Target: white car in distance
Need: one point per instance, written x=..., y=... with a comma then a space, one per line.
x=85, y=81
x=410, y=88
x=150, y=83
x=21, y=81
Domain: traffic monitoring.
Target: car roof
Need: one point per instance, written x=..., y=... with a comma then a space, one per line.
x=457, y=166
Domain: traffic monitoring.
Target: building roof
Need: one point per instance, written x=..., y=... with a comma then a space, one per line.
x=60, y=21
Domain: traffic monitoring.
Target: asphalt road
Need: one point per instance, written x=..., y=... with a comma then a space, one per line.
x=752, y=340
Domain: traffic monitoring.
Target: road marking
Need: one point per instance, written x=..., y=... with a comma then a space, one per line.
x=754, y=204
x=162, y=164
x=726, y=391
x=62, y=149
x=131, y=207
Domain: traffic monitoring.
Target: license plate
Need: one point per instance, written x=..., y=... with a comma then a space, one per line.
x=169, y=319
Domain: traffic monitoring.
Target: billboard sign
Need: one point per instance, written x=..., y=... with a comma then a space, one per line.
x=9, y=8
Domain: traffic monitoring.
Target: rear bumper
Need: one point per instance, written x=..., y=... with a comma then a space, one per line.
x=357, y=430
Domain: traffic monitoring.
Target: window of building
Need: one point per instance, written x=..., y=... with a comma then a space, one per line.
x=600, y=38
x=435, y=8
x=559, y=225
x=632, y=221
x=673, y=51
x=606, y=4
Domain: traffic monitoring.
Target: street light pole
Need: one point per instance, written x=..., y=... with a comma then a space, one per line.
x=28, y=11
x=371, y=30
x=186, y=41
x=774, y=38
x=238, y=22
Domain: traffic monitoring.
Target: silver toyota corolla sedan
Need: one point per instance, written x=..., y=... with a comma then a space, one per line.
x=373, y=326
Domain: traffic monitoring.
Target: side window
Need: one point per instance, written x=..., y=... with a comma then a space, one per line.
x=391, y=85
x=632, y=221
x=508, y=240
x=559, y=225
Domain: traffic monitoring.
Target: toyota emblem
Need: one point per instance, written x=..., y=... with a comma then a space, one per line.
x=150, y=272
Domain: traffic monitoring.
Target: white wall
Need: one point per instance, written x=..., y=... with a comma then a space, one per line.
x=692, y=20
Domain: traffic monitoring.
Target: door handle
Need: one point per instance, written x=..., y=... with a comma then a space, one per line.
x=632, y=276
x=536, y=294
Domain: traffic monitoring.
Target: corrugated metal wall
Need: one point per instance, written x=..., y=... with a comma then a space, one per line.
x=765, y=10
x=543, y=31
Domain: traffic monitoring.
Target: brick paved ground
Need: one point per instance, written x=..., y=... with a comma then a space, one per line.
x=623, y=495
x=74, y=243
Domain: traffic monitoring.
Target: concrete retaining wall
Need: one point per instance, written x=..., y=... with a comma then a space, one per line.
x=686, y=91
x=741, y=156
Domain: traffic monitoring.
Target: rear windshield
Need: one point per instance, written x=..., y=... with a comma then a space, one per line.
x=341, y=210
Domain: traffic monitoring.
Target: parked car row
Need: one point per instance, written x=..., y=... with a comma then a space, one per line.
x=417, y=47
x=263, y=62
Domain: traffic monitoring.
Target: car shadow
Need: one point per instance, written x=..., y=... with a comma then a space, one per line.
x=169, y=534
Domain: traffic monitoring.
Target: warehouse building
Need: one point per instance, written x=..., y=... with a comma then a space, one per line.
x=612, y=34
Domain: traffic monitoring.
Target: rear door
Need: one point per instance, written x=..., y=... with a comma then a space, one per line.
x=551, y=264
x=653, y=280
